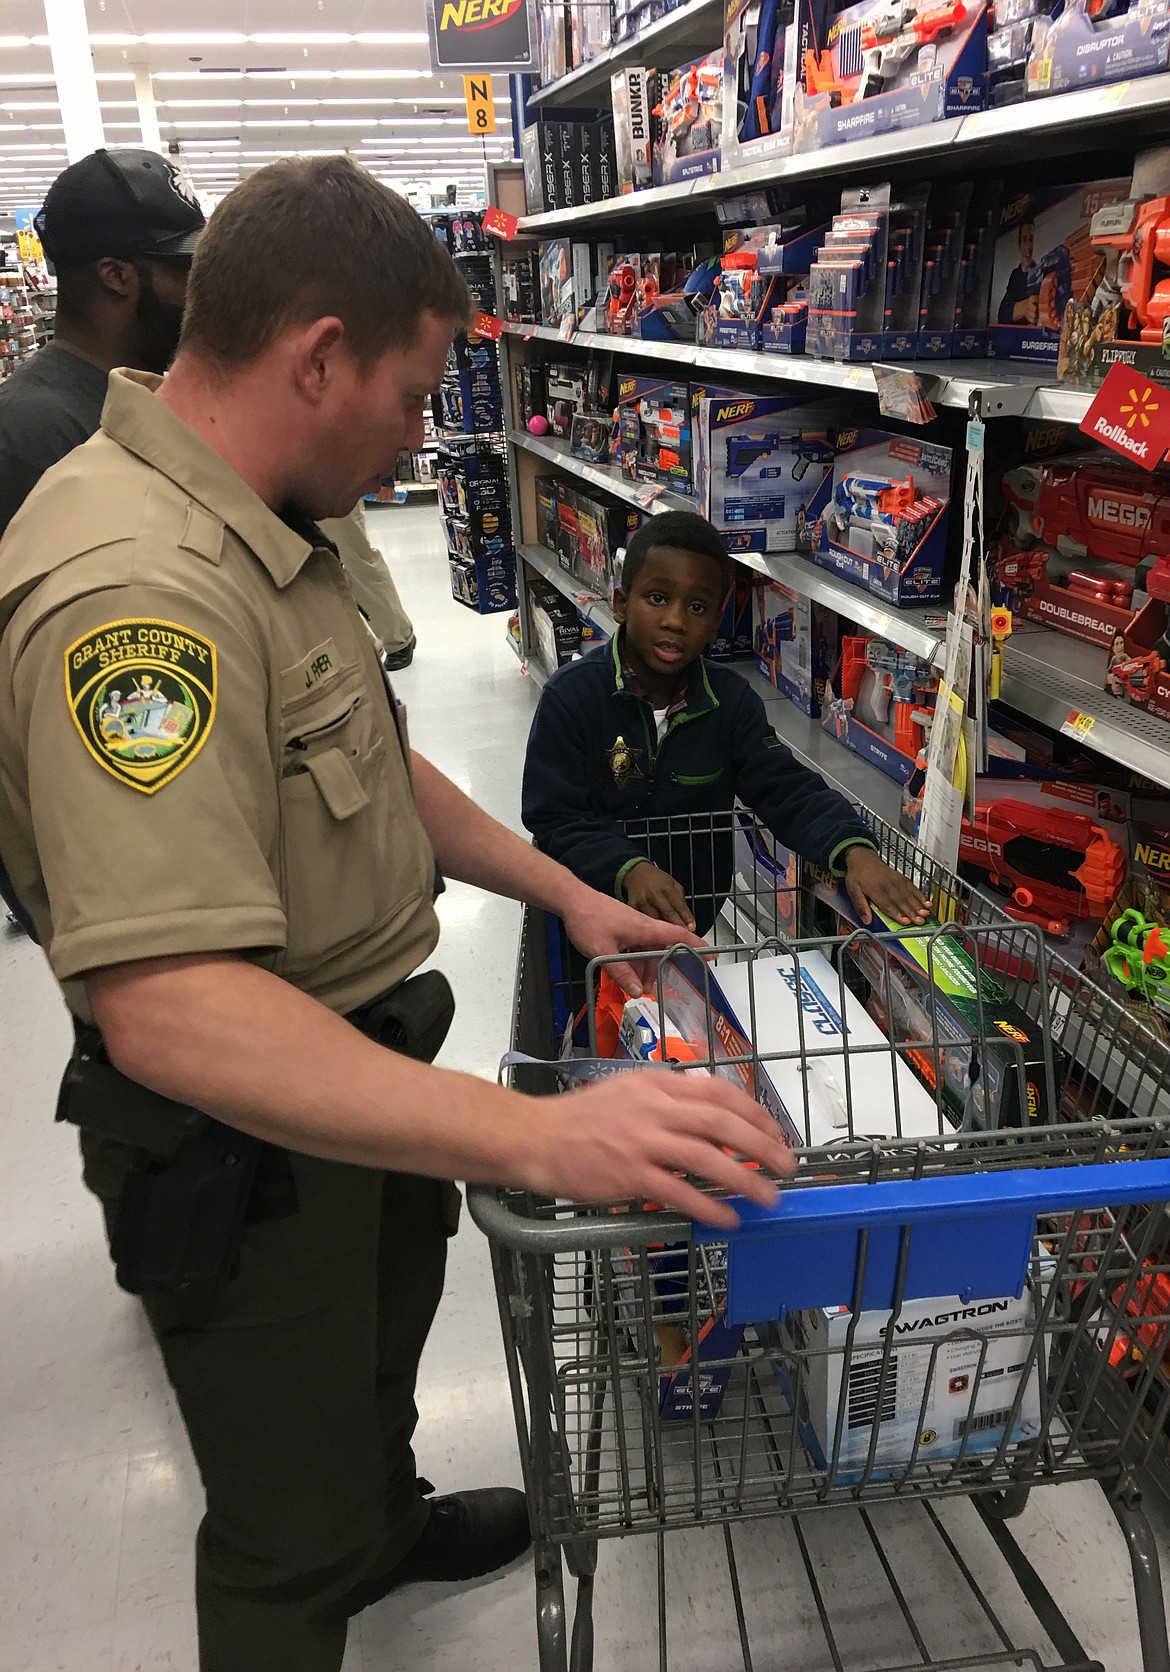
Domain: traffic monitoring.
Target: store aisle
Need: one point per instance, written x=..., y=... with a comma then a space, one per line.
x=98, y=1497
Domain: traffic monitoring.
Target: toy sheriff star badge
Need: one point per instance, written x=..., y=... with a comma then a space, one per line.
x=143, y=696
x=624, y=762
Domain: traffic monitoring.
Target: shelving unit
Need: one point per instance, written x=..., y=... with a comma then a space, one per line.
x=674, y=38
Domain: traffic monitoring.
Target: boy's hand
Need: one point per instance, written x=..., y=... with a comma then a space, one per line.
x=869, y=878
x=655, y=892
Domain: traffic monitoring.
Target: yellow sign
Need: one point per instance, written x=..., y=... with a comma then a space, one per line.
x=481, y=106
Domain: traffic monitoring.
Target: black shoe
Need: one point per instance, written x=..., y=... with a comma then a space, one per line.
x=395, y=660
x=467, y=1535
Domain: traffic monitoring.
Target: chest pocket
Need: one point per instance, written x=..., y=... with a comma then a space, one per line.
x=352, y=850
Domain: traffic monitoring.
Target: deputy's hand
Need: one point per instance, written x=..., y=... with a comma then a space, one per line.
x=632, y=1137
x=868, y=878
x=598, y=925
x=655, y=892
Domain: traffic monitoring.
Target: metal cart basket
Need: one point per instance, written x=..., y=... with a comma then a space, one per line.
x=964, y=1291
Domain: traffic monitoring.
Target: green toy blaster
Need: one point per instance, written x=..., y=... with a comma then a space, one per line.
x=1138, y=958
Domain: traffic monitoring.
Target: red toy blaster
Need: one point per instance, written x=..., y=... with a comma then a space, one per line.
x=1103, y=512
x=1032, y=853
x=1139, y=231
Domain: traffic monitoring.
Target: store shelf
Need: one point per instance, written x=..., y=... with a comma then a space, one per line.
x=921, y=631
x=1003, y=388
x=855, y=778
x=1042, y=125
x=608, y=477
x=592, y=607
x=1049, y=676
x=682, y=33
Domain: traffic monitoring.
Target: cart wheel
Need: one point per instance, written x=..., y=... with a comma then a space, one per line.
x=1006, y=1505
x=550, y=1608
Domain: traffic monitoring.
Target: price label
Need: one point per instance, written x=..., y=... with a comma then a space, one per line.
x=499, y=223
x=976, y=434
x=1077, y=725
x=856, y=376
x=487, y=325
x=1114, y=95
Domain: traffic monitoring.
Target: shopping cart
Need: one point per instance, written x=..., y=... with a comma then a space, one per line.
x=946, y=1307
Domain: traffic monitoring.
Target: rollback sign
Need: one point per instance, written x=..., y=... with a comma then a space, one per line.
x=481, y=34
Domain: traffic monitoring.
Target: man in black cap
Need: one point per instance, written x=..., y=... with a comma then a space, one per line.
x=119, y=228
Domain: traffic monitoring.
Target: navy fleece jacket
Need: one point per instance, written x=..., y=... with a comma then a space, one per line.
x=595, y=773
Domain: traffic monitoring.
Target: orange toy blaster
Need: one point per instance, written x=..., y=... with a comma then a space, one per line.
x=1139, y=230
x=886, y=44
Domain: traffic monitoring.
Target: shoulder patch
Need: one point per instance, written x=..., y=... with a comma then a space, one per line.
x=142, y=694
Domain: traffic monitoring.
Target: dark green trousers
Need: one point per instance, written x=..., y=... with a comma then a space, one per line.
x=296, y=1385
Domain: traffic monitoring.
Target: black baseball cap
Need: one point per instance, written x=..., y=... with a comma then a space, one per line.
x=118, y=203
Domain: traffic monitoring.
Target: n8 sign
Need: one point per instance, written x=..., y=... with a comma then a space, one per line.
x=481, y=105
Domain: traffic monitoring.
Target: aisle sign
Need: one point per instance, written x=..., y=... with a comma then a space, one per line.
x=1131, y=415
x=481, y=35
x=481, y=106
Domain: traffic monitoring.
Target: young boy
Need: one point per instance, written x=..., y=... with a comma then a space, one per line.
x=642, y=729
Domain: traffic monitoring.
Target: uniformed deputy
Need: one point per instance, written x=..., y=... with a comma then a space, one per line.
x=209, y=806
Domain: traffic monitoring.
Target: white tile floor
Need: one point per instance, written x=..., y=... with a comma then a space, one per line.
x=98, y=1496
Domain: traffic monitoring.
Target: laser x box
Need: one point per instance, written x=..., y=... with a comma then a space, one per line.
x=759, y=464
x=953, y=1381
x=881, y=518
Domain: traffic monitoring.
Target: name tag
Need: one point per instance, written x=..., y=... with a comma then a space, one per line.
x=312, y=670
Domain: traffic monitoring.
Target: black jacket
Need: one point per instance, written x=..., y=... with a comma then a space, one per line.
x=601, y=792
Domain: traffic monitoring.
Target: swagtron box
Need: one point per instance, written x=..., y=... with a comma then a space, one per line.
x=953, y=1379
x=881, y=519
x=794, y=643
x=1044, y=261
x=760, y=463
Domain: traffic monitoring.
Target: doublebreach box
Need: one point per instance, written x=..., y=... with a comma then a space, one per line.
x=880, y=517
x=953, y=1382
x=760, y=464
x=1044, y=261
x=794, y=643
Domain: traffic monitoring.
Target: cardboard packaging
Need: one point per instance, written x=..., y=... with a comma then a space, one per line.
x=654, y=424
x=794, y=643
x=880, y=519
x=761, y=463
x=689, y=117
x=634, y=96
x=540, y=149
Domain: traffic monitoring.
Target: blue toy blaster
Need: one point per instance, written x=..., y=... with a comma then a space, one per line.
x=744, y=451
x=1058, y=261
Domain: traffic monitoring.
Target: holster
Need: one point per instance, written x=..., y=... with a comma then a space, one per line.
x=195, y=1181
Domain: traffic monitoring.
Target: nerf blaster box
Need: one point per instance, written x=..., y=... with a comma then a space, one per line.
x=689, y=118
x=654, y=425
x=888, y=66
x=794, y=643
x=993, y=1056
x=880, y=517
x=759, y=464
x=1090, y=46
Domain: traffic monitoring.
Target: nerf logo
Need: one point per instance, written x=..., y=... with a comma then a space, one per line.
x=846, y=438
x=1013, y=1032
x=477, y=14
x=739, y=409
x=1033, y=1101
x=1013, y=210
x=1119, y=512
x=626, y=386
x=1153, y=858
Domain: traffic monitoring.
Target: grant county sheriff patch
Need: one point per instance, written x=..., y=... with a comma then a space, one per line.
x=142, y=695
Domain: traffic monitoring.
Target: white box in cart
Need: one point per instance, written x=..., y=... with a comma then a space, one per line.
x=835, y=1080
x=831, y=1017
x=960, y=1401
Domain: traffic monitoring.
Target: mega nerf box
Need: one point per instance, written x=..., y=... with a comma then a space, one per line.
x=689, y=117
x=887, y=67
x=958, y=1376
x=794, y=642
x=1045, y=260
x=759, y=464
x=880, y=517
x=654, y=425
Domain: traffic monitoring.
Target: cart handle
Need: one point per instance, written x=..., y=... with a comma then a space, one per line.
x=968, y=1235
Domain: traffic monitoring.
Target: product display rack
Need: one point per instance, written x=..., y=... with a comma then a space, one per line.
x=691, y=28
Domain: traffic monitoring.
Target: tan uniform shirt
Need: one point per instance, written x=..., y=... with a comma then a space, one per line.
x=197, y=749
